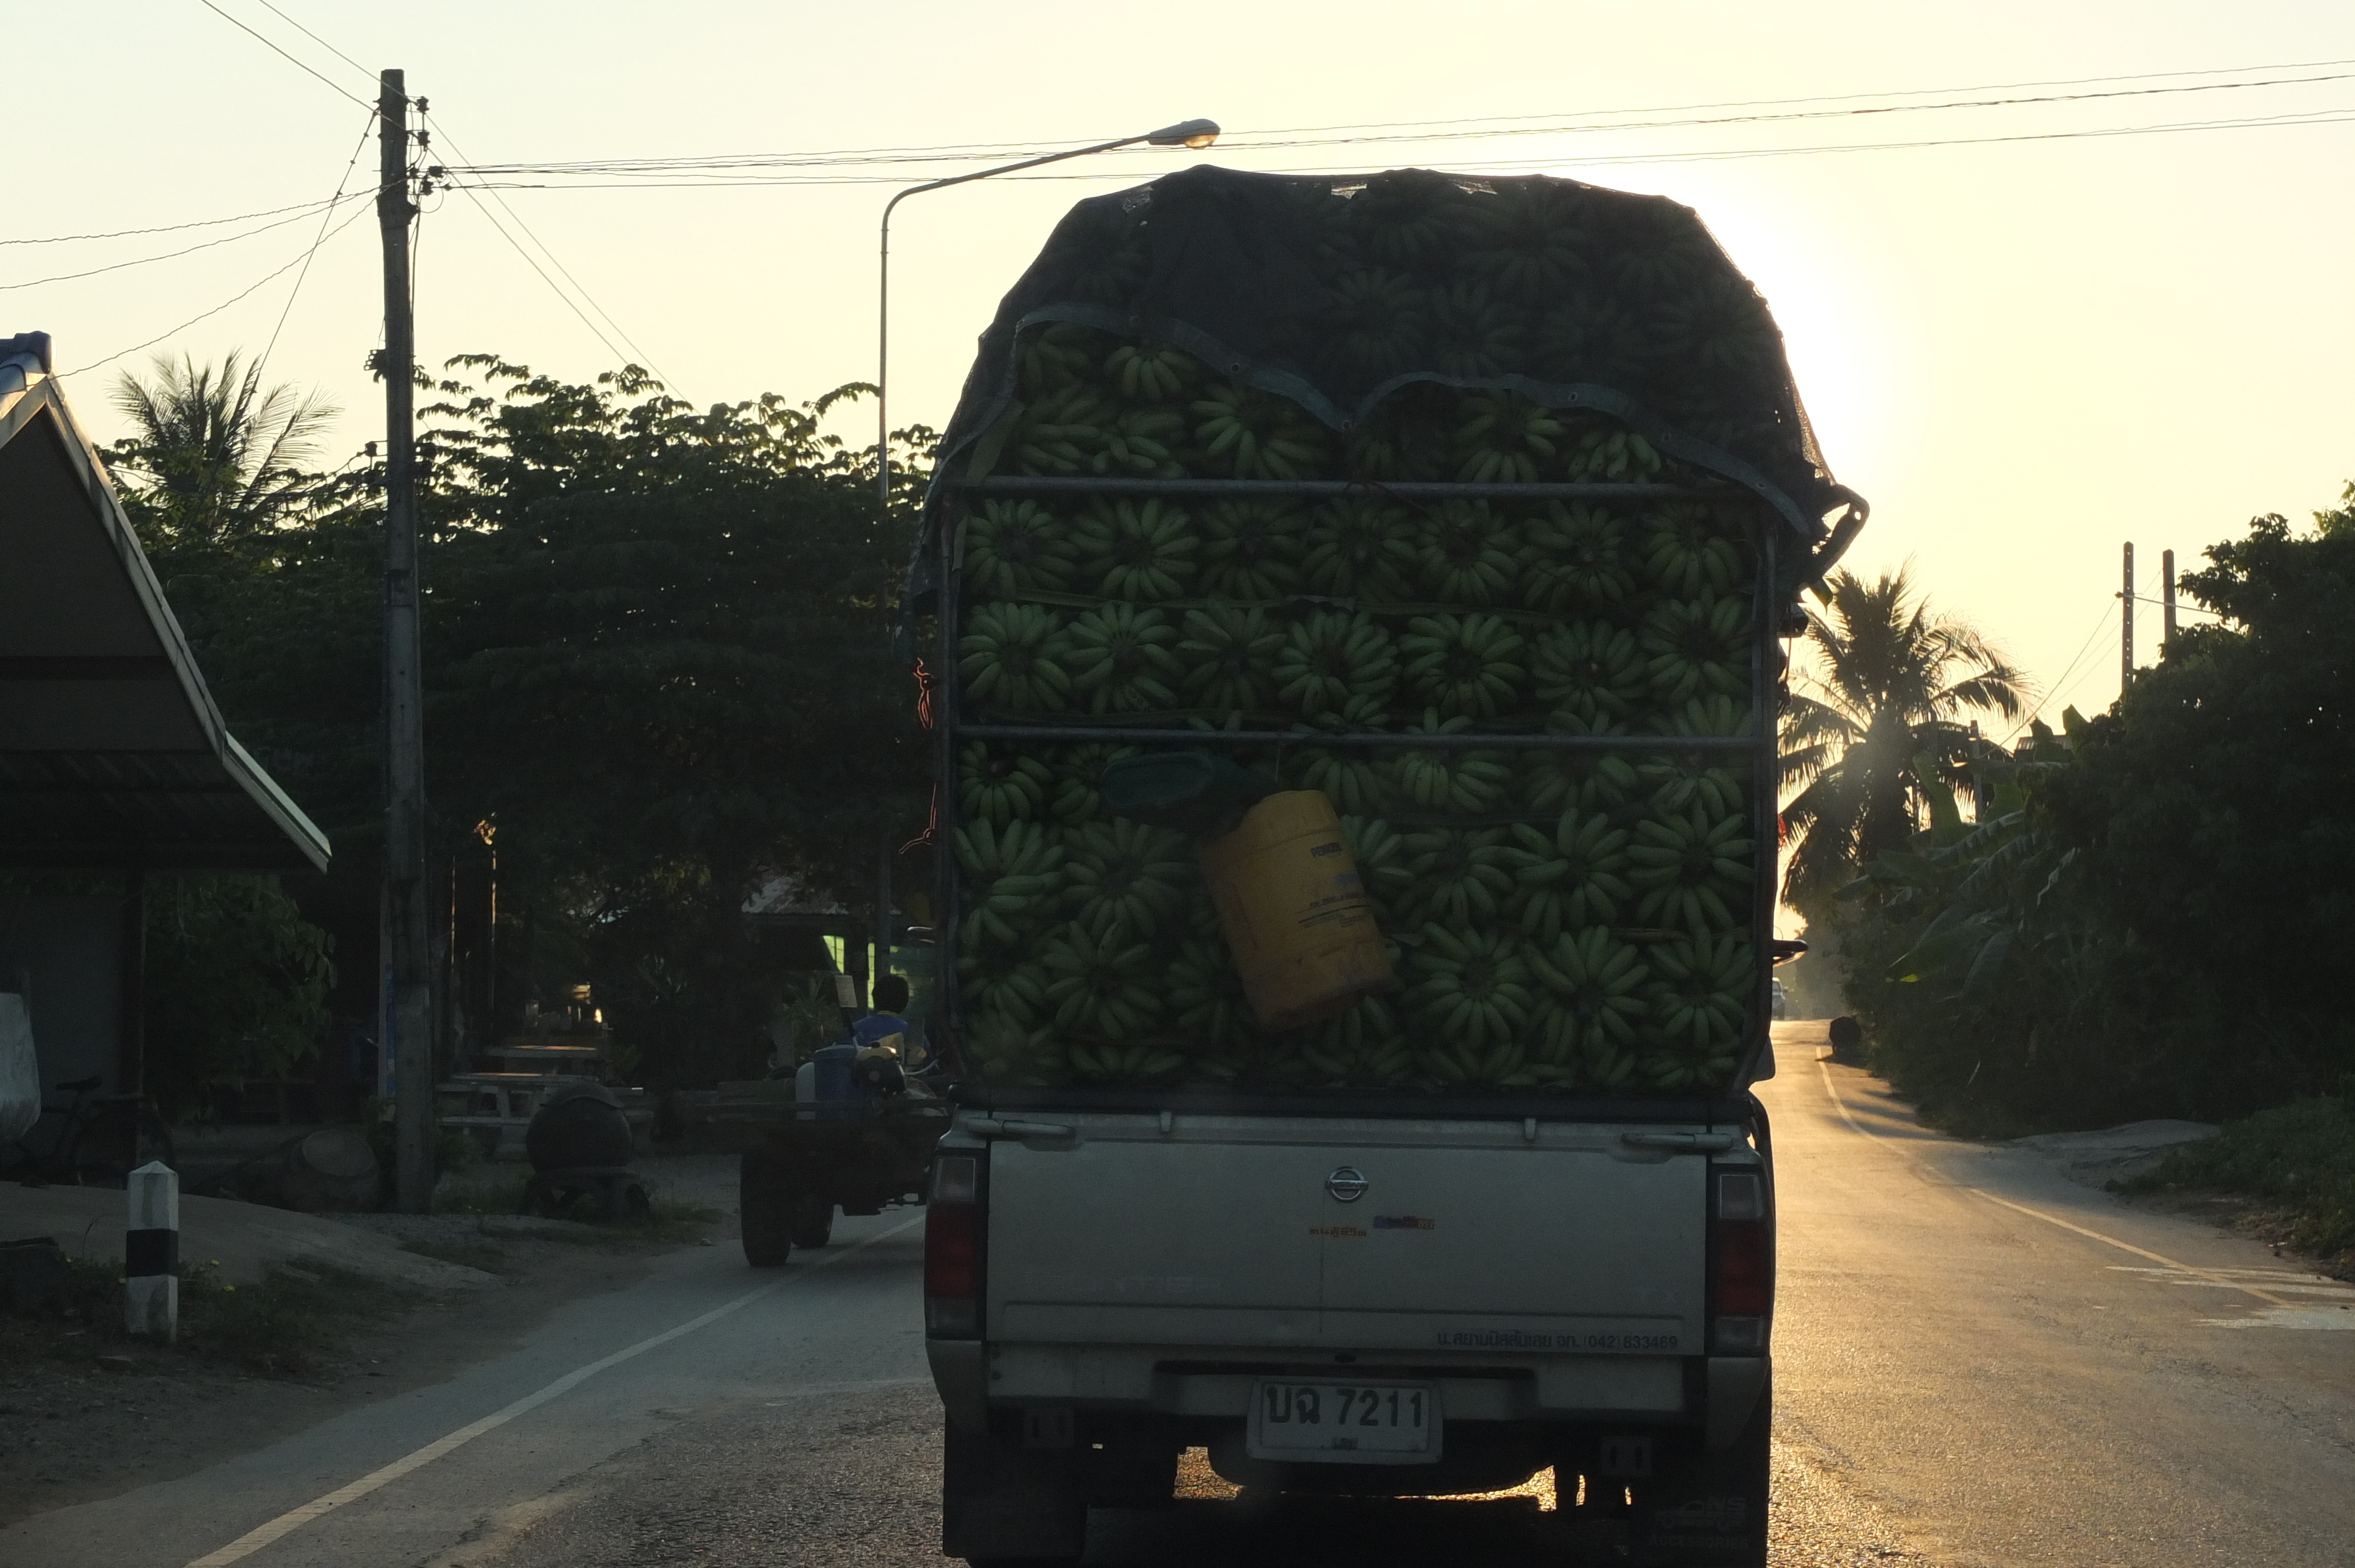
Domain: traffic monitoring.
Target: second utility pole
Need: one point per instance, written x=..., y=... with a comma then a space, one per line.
x=2125, y=627
x=408, y=1012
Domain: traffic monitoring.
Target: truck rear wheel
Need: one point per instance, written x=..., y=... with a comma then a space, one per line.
x=813, y=1220
x=764, y=1205
x=1003, y=1504
x=1710, y=1511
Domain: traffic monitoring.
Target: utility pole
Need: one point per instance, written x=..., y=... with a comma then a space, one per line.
x=408, y=1023
x=2125, y=626
x=2167, y=601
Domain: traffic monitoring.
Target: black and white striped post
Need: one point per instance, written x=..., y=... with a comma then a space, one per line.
x=151, y=1252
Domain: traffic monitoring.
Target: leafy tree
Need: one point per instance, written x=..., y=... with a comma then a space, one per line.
x=213, y=455
x=1881, y=717
x=237, y=985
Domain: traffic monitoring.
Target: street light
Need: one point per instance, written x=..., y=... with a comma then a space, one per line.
x=1195, y=133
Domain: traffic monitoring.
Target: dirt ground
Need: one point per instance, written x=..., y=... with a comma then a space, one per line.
x=85, y=1414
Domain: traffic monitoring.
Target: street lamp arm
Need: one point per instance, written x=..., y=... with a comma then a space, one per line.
x=1189, y=133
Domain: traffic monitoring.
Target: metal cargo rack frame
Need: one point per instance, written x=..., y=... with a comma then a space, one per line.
x=1760, y=746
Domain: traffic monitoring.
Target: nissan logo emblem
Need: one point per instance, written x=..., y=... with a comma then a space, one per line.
x=1348, y=1184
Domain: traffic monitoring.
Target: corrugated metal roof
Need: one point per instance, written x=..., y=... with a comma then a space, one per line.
x=111, y=752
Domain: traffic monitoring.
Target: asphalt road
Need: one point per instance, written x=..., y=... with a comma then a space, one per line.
x=1964, y=1378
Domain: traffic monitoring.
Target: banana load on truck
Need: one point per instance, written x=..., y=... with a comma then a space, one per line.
x=1450, y=521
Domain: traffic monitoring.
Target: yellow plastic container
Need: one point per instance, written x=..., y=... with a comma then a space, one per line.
x=1293, y=911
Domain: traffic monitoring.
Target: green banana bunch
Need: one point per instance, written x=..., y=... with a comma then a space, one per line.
x=1504, y=437
x=1445, y=779
x=996, y=987
x=1579, y=560
x=1468, y=554
x=1121, y=660
x=1331, y=656
x=1139, y=1061
x=1707, y=715
x=1377, y=320
x=1151, y=372
x=1101, y=984
x=1405, y=436
x=1687, y=553
x=1229, y=651
x=1469, y=664
x=1697, y=646
x=1360, y=549
x=1253, y=434
x=1079, y=780
x=1012, y=877
x=1125, y=879
x=1251, y=549
x=1360, y=1049
x=1137, y=550
x=1016, y=547
x=1461, y=876
x=1011, y=656
x=1529, y=242
x=1062, y=431
x=1572, y=878
x=1138, y=444
x=1698, y=1000
x=1351, y=780
x=1693, y=875
x=1690, y=781
x=1007, y=1053
x=1722, y=328
x=1601, y=995
x=1206, y=994
x=1472, y=992
x=1589, y=781
x=1591, y=671
x=1000, y=787
x=1412, y=219
x=1477, y=334
x=1385, y=864
x=1614, y=455
x=1053, y=357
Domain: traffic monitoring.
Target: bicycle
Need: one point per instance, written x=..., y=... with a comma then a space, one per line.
x=99, y=1141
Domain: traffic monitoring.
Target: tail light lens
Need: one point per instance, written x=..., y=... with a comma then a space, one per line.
x=952, y=1249
x=1741, y=1264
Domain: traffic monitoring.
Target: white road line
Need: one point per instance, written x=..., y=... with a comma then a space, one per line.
x=262, y=1535
x=1833, y=1090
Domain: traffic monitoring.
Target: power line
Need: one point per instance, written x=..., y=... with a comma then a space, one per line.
x=297, y=208
x=2099, y=625
x=233, y=299
x=273, y=48
x=323, y=43
x=642, y=356
x=295, y=293
x=169, y=255
x=1399, y=130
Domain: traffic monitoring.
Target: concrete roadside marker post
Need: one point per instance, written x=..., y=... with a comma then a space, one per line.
x=151, y=1252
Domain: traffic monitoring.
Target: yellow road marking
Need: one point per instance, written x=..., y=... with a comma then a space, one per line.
x=1841, y=1105
x=294, y=1519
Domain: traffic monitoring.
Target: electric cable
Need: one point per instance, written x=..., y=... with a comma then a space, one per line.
x=298, y=209
x=2099, y=625
x=328, y=212
x=642, y=356
x=273, y=48
x=372, y=76
x=294, y=262
x=295, y=293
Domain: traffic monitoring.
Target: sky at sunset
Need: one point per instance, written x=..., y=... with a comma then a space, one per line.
x=2023, y=351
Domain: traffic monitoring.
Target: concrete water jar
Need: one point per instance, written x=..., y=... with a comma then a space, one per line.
x=1293, y=911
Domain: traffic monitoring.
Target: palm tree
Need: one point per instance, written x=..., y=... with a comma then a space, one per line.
x=1893, y=687
x=213, y=456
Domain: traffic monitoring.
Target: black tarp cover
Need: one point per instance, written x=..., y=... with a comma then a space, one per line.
x=1337, y=292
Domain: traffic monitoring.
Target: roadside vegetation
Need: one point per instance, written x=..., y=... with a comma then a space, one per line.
x=2142, y=914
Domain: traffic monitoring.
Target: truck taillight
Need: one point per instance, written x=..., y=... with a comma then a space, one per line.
x=952, y=1249
x=1741, y=1264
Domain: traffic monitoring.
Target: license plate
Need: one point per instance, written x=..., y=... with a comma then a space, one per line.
x=1344, y=1422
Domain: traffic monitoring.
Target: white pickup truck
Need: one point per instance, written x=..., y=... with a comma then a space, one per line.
x=1413, y=1305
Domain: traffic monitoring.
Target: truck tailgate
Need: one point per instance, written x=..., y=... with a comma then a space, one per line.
x=1467, y=1236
